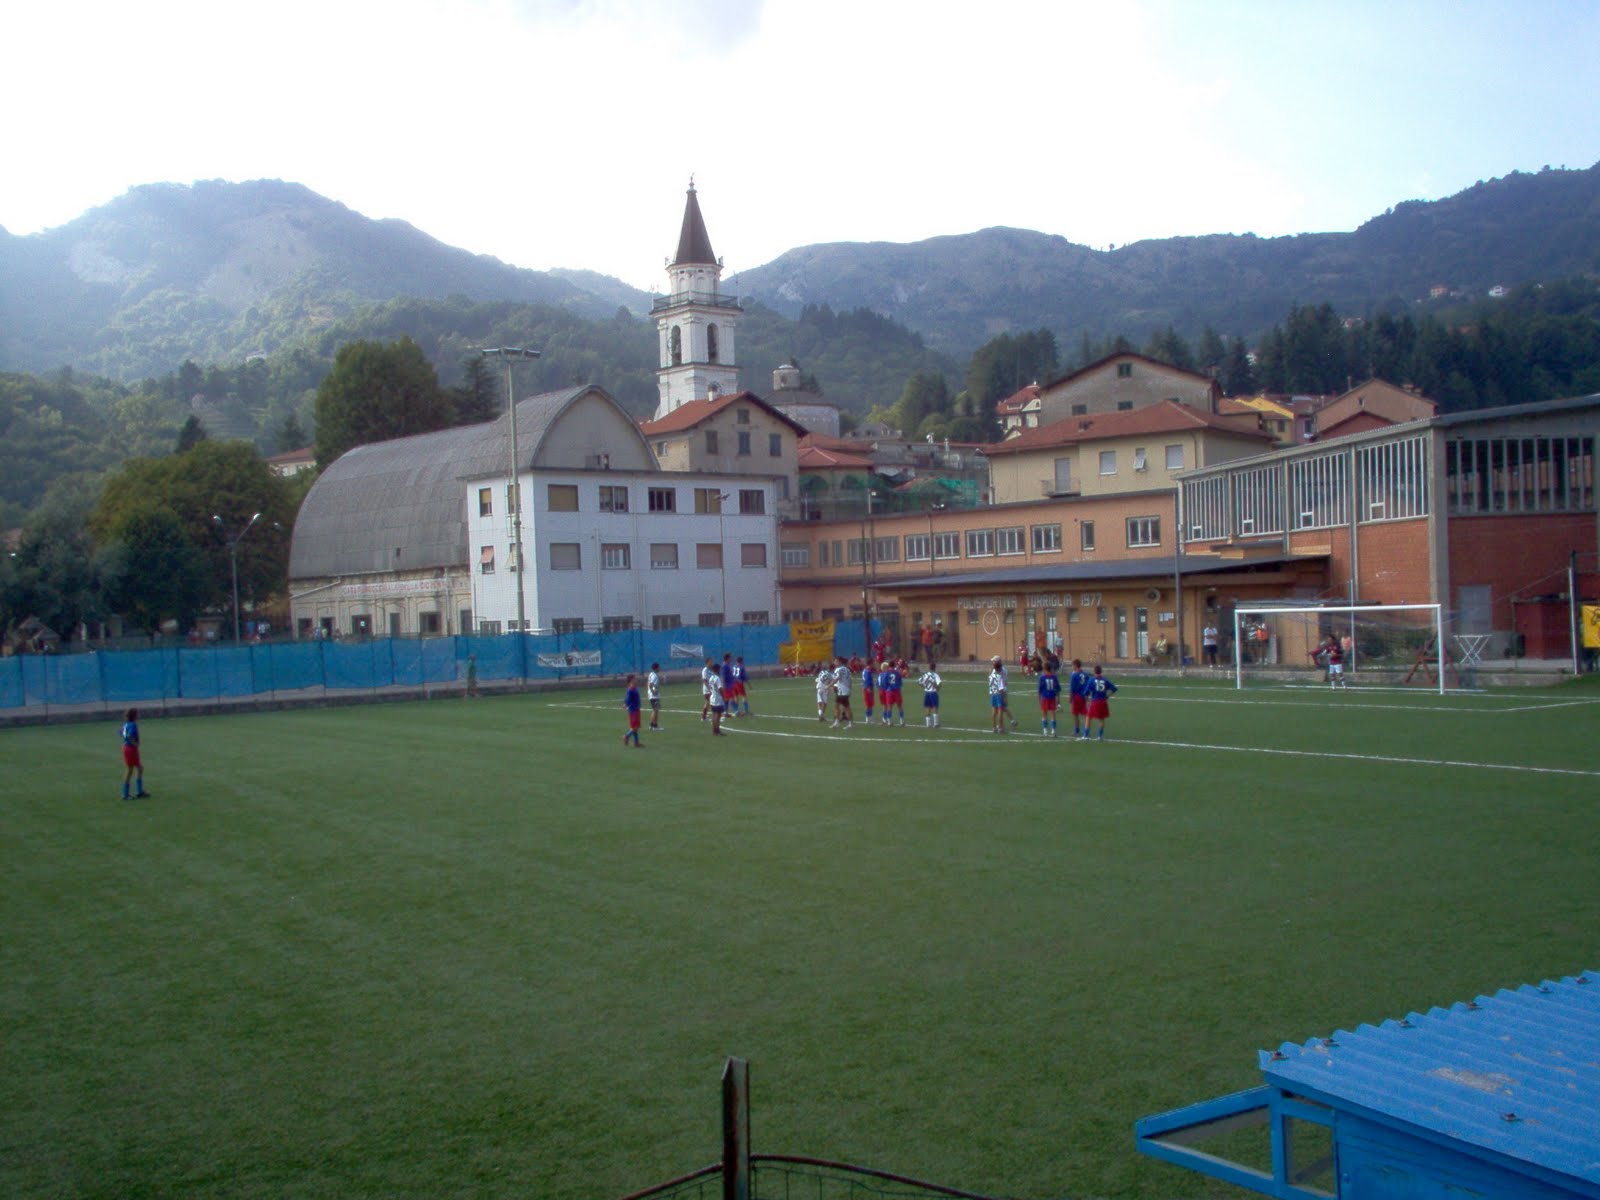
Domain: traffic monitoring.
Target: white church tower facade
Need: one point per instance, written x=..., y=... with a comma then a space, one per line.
x=695, y=323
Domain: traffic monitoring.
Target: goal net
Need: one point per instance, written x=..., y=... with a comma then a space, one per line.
x=1395, y=645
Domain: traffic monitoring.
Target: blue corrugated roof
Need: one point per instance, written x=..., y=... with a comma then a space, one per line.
x=1516, y=1073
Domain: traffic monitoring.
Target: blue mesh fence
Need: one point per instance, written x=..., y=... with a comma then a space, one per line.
x=235, y=672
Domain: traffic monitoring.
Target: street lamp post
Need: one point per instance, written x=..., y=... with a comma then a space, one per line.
x=508, y=356
x=233, y=562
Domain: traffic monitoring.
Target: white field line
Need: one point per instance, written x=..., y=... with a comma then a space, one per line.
x=970, y=734
x=1472, y=704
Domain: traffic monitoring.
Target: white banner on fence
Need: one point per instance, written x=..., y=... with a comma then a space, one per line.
x=572, y=658
x=680, y=650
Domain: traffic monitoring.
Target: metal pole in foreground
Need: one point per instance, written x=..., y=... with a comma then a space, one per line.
x=736, y=1130
x=233, y=562
x=508, y=355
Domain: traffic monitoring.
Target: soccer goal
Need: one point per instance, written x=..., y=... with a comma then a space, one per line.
x=1394, y=645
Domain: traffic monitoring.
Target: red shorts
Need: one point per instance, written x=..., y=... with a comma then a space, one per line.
x=1099, y=710
x=130, y=756
x=1080, y=705
x=893, y=698
x=866, y=696
x=736, y=692
x=633, y=718
x=1048, y=704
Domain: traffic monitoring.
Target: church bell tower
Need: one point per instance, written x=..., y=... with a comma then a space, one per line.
x=695, y=323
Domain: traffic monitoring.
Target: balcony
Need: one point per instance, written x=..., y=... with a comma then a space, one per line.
x=703, y=299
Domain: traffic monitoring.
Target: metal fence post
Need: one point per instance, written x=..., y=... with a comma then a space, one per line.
x=736, y=1130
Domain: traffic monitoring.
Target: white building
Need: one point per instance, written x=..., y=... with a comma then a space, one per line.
x=695, y=323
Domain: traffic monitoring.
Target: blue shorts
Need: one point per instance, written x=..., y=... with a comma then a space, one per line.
x=930, y=699
x=997, y=701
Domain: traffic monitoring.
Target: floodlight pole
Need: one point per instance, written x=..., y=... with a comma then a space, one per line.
x=508, y=355
x=233, y=562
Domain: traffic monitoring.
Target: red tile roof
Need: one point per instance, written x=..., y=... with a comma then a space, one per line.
x=1167, y=416
x=821, y=458
x=687, y=416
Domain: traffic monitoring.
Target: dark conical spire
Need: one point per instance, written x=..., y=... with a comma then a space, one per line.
x=694, y=244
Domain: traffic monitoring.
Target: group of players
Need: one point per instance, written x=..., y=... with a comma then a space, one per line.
x=882, y=691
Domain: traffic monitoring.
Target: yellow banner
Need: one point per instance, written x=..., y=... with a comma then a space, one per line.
x=812, y=650
x=1591, y=626
x=812, y=631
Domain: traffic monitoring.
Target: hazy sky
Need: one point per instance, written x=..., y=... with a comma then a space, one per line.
x=562, y=133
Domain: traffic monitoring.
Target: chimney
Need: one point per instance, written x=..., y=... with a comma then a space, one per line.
x=712, y=392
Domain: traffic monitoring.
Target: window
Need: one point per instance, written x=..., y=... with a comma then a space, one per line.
x=489, y=628
x=566, y=626
x=947, y=545
x=1086, y=534
x=1140, y=461
x=664, y=556
x=744, y=443
x=711, y=441
x=1080, y=410
x=1008, y=540
x=1144, y=531
x=486, y=560
x=752, y=501
x=513, y=560
x=428, y=622
x=886, y=549
x=563, y=497
x=795, y=554
x=708, y=557
x=711, y=343
x=615, y=624
x=916, y=547
x=513, y=498
x=1063, y=481
x=614, y=556
x=664, y=621
x=775, y=445
x=1046, y=539
x=1175, y=457
x=1108, y=462
x=707, y=500
x=613, y=499
x=797, y=614
x=486, y=502
x=1124, y=370
x=1124, y=405
x=754, y=616
x=753, y=554
x=566, y=556
x=742, y=416
x=663, y=500
x=711, y=619
x=675, y=345
x=980, y=543
x=856, y=549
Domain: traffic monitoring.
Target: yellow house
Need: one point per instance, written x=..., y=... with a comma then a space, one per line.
x=738, y=434
x=1122, y=382
x=1111, y=453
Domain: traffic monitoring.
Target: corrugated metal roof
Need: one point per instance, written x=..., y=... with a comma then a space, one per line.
x=1163, y=567
x=408, y=495
x=1516, y=1073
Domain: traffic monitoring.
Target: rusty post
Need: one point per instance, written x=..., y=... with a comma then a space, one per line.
x=736, y=1130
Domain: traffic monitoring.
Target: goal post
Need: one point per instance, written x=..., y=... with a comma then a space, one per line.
x=1395, y=645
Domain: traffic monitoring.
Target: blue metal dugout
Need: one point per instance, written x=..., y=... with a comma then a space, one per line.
x=1495, y=1097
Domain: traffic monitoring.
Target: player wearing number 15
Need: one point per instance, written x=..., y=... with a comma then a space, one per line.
x=1100, y=692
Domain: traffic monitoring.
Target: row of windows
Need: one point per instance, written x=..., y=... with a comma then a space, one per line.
x=618, y=556
x=661, y=622
x=614, y=498
x=742, y=443
x=1141, y=459
x=980, y=543
x=1537, y=474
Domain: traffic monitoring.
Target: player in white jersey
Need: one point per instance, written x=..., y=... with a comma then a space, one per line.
x=841, y=694
x=930, y=682
x=824, y=683
x=652, y=691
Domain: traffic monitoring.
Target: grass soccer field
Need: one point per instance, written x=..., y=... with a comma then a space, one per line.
x=481, y=949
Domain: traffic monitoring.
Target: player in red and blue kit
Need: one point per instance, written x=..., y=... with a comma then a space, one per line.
x=727, y=685
x=1078, y=698
x=133, y=765
x=1049, y=700
x=741, y=695
x=869, y=684
x=1100, y=692
x=891, y=684
x=630, y=701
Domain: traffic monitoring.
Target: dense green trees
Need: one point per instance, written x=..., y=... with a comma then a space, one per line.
x=375, y=392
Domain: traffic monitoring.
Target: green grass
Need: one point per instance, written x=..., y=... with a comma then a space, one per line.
x=480, y=949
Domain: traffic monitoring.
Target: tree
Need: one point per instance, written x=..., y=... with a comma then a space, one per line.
x=191, y=435
x=477, y=397
x=290, y=436
x=52, y=576
x=154, y=571
x=375, y=392
x=1237, y=376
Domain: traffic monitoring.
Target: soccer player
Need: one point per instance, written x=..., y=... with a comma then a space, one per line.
x=1049, y=700
x=652, y=687
x=133, y=766
x=1100, y=692
x=706, y=672
x=714, y=700
x=997, y=695
x=741, y=693
x=930, y=682
x=824, y=682
x=869, y=684
x=1333, y=652
x=1078, y=698
x=729, y=698
x=841, y=694
x=891, y=683
x=630, y=701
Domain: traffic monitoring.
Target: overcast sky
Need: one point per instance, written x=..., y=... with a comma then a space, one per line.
x=562, y=133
